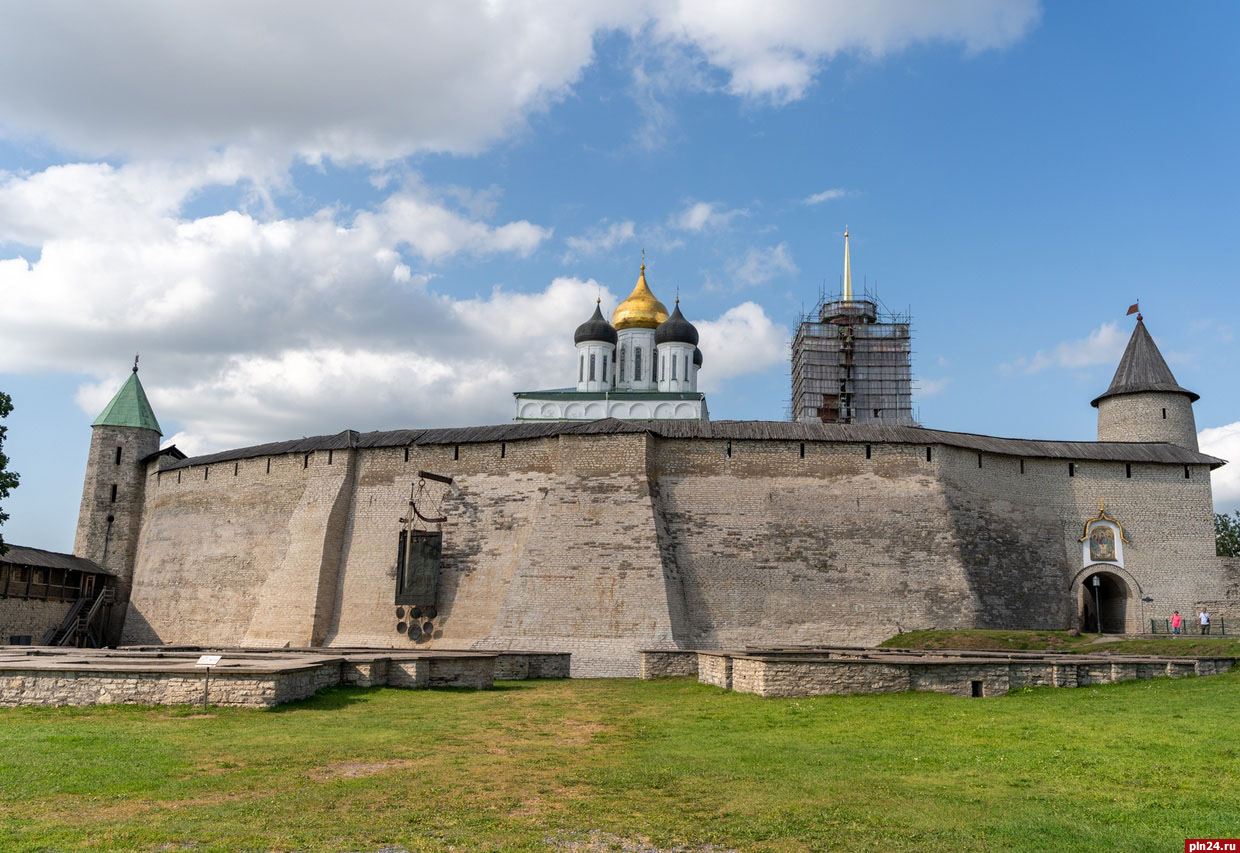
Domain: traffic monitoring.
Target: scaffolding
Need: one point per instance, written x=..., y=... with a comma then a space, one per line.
x=852, y=364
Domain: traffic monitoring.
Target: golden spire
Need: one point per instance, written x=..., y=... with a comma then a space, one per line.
x=847, y=269
x=641, y=309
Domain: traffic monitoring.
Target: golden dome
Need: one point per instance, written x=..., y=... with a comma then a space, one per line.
x=641, y=310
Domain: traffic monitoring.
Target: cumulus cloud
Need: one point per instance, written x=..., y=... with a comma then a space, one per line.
x=825, y=195
x=703, y=215
x=258, y=328
x=1224, y=442
x=1104, y=345
x=760, y=265
x=376, y=80
x=774, y=50
x=742, y=340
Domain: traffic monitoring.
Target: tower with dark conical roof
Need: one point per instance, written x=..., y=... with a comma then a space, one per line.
x=122, y=437
x=1144, y=402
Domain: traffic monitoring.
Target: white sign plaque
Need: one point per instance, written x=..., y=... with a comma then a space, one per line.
x=208, y=660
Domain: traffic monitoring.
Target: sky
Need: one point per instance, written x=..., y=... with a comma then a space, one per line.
x=315, y=216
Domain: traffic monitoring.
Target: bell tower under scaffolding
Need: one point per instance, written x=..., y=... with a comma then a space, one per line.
x=851, y=363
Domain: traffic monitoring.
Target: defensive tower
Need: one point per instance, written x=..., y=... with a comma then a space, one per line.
x=1144, y=402
x=851, y=364
x=122, y=438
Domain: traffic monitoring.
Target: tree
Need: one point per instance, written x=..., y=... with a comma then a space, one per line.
x=1227, y=534
x=8, y=479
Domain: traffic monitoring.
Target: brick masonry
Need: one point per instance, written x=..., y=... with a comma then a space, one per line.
x=602, y=545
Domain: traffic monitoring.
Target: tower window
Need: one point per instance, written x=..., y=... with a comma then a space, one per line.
x=622, y=353
x=236, y=468
x=1128, y=470
x=118, y=454
x=114, y=493
x=329, y=457
x=503, y=450
x=876, y=411
x=802, y=450
x=928, y=456
x=1022, y=466
x=729, y=450
x=867, y=451
x=406, y=454
x=305, y=461
x=979, y=460
x=1164, y=414
x=1071, y=469
x=178, y=476
x=1187, y=472
x=592, y=366
x=206, y=472
x=637, y=364
x=456, y=452
x=268, y=464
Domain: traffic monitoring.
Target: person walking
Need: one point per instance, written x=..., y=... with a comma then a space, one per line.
x=1176, y=621
x=1205, y=620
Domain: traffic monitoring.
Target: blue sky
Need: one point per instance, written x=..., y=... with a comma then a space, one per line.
x=396, y=215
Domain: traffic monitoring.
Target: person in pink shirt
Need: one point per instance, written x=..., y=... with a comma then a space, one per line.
x=1176, y=622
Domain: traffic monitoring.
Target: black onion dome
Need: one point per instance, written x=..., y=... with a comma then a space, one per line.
x=697, y=357
x=676, y=329
x=595, y=329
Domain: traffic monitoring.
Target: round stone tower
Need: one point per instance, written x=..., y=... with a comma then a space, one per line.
x=114, y=489
x=1144, y=402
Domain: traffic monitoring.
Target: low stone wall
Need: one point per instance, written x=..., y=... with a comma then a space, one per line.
x=661, y=663
x=474, y=671
x=34, y=687
x=516, y=666
x=876, y=671
x=246, y=679
x=715, y=668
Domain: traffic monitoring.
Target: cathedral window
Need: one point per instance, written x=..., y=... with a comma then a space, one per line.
x=673, y=367
x=637, y=364
x=581, y=369
x=604, y=368
x=622, y=354
x=592, y=361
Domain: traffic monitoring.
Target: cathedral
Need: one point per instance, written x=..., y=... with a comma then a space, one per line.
x=643, y=365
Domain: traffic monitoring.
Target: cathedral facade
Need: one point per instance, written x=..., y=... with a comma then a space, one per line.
x=643, y=365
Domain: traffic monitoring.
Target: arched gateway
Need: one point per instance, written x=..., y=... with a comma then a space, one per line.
x=1104, y=601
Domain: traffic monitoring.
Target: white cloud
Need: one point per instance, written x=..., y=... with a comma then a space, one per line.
x=700, y=215
x=825, y=195
x=743, y=340
x=1104, y=345
x=375, y=80
x=600, y=239
x=758, y=266
x=930, y=387
x=1224, y=442
x=774, y=50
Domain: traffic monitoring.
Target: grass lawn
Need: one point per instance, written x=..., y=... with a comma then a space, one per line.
x=1061, y=641
x=584, y=764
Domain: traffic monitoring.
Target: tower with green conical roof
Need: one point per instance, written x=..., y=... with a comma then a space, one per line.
x=122, y=438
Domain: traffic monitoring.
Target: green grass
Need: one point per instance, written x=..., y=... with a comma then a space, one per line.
x=1134, y=766
x=1060, y=641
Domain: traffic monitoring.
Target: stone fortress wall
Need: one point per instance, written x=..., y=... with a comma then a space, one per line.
x=602, y=544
